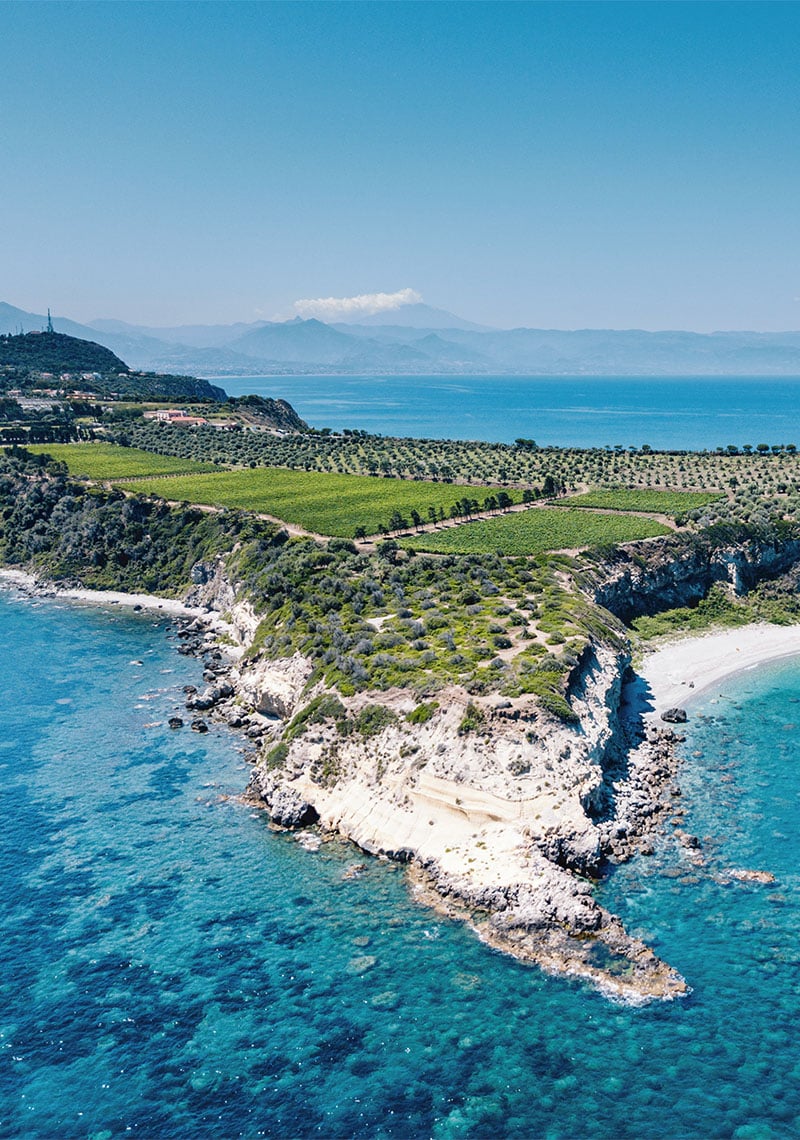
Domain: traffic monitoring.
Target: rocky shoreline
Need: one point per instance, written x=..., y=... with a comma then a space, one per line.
x=505, y=828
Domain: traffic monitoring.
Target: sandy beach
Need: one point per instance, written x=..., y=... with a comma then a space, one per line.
x=28, y=582
x=684, y=668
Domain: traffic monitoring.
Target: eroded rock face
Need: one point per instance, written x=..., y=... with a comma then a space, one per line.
x=676, y=571
x=275, y=688
x=496, y=816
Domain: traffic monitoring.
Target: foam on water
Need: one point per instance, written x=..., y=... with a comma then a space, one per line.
x=171, y=968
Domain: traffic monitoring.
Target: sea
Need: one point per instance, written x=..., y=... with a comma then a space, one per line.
x=171, y=968
x=683, y=412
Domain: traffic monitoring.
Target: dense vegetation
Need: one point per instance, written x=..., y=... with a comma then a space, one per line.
x=383, y=620
x=39, y=359
x=157, y=386
x=367, y=621
x=102, y=539
x=55, y=352
x=651, y=501
x=747, y=484
x=776, y=602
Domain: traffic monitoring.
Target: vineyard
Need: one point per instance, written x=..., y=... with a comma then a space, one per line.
x=107, y=461
x=651, y=501
x=536, y=531
x=751, y=484
x=339, y=505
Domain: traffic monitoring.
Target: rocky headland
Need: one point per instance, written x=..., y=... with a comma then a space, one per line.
x=504, y=812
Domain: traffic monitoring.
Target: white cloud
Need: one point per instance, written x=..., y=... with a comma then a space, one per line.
x=337, y=308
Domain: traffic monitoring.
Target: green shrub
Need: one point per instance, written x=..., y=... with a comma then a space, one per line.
x=276, y=757
x=373, y=719
x=472, y=721
x=422, y=713
x=323, y=707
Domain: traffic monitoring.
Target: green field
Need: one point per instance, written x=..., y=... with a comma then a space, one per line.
x=645, y=499
x=318, y=502
x=535, y=531
x=109, y=461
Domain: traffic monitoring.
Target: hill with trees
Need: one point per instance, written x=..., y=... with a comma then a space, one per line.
x=57, y=352
x=27, y=358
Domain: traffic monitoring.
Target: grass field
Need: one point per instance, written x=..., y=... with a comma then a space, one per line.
x=645, y=499
x=318, y=502
x=109, y=461
x=536, y=531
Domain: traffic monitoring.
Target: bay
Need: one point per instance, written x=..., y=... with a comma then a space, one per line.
x=171, y=968
x=685, y=412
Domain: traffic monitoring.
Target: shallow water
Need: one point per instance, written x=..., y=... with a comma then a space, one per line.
x=171, y=968
x=683, y=412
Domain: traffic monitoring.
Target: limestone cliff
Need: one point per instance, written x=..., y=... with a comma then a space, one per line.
x=491, y=800
x=663, y=573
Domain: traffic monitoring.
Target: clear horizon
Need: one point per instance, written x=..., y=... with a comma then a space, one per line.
x=548, y=165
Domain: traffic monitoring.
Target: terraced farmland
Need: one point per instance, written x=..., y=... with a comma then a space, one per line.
x=321, y=503
x=536, y=531
x=645, y=499
x=110, y=461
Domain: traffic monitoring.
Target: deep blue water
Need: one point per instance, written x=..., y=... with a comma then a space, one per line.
x=690, y=413
x=170, y=968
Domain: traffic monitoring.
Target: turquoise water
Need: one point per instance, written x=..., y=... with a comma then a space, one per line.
x=568, y=411
x=169, y=968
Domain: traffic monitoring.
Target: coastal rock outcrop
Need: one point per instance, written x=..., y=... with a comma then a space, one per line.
x=496, y=819
x=679, y=570
x=274, y=688
x=674, y=716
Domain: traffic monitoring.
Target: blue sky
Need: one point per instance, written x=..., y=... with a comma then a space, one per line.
x=551, y=165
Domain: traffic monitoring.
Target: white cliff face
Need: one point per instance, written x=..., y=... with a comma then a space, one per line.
x=490, y=799
x=274, y=688
x=213, y=590
x=495, y=816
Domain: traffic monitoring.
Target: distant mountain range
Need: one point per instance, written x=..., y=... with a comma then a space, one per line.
x=420, y=339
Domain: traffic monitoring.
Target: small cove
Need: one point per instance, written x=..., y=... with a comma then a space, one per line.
x=171, y=968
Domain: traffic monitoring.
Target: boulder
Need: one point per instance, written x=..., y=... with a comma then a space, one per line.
x=675, y=716
x=288, y=809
